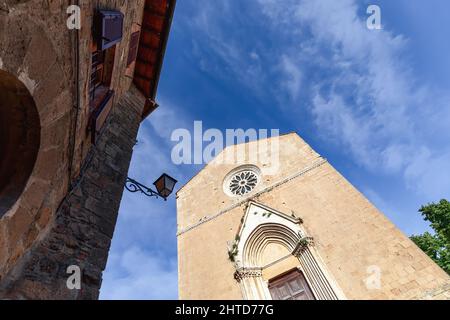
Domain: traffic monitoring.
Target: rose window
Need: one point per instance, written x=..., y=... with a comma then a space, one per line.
x=243, y=182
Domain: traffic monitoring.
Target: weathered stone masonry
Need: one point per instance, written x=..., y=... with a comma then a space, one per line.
x=82, y=231
x=63, y=213
x=350, y=235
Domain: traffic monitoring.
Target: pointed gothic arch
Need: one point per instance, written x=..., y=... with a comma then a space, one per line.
x=264, y=228
x=263, y=236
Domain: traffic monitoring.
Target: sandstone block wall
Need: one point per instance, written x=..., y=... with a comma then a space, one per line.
x=36, y=48
x=350, y=234
x=67, y=212
x=133, y=11
x=84, y=224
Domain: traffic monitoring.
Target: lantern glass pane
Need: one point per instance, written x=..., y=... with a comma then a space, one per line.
x=170, y=183
x=165, y=193
x=159, y=184
x=165, y=185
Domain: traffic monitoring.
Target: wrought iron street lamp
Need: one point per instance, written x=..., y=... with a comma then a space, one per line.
x=164, y=186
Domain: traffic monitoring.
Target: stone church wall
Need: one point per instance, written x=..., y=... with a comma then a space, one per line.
x=351, y=236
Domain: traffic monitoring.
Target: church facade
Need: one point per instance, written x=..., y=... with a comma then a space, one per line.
x=300, y=232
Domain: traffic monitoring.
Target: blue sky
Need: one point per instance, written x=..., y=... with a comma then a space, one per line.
x=375, y=103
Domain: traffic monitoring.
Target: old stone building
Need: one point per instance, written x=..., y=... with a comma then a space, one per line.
x=71, y=102
x=287, y=225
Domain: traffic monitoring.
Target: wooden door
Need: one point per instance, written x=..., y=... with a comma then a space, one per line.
x=291, y=286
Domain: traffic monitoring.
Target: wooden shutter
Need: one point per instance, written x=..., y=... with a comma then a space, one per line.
x=108, y=28
x=134, y=46
x=99, y=116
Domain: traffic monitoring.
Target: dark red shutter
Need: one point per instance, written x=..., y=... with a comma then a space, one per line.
x=134, y=45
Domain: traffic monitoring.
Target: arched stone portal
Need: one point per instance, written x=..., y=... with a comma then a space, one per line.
x=265, y=232
x=19, y=139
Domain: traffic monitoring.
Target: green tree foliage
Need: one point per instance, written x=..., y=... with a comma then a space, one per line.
x=437, y=245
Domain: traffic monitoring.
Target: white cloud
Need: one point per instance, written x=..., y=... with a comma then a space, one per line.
x=254, y=55
x=368, y=99
x=335, y=118
x=132, y=271
x=355, y=82
x=393, y=158
x=292, y=77
x=278, y=13
x=429, y=173
x=152, y=154
x=223, y=51
x=167, y=118
x=140, y=275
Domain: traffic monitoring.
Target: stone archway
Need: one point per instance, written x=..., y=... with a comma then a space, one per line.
x=19, y=139
x=265, y=229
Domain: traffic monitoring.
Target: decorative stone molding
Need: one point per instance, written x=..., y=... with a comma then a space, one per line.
x=302, y=244
x=208, y=218
x=262, y=226
x=242, y=273
x=241, y=181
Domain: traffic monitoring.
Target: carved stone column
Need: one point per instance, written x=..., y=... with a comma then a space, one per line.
x=320, y=284
x=252, y=283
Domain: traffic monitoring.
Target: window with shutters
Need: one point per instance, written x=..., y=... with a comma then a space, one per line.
x=291, y=286
x=108, y=28
x=101, y=75
x=107, y=32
